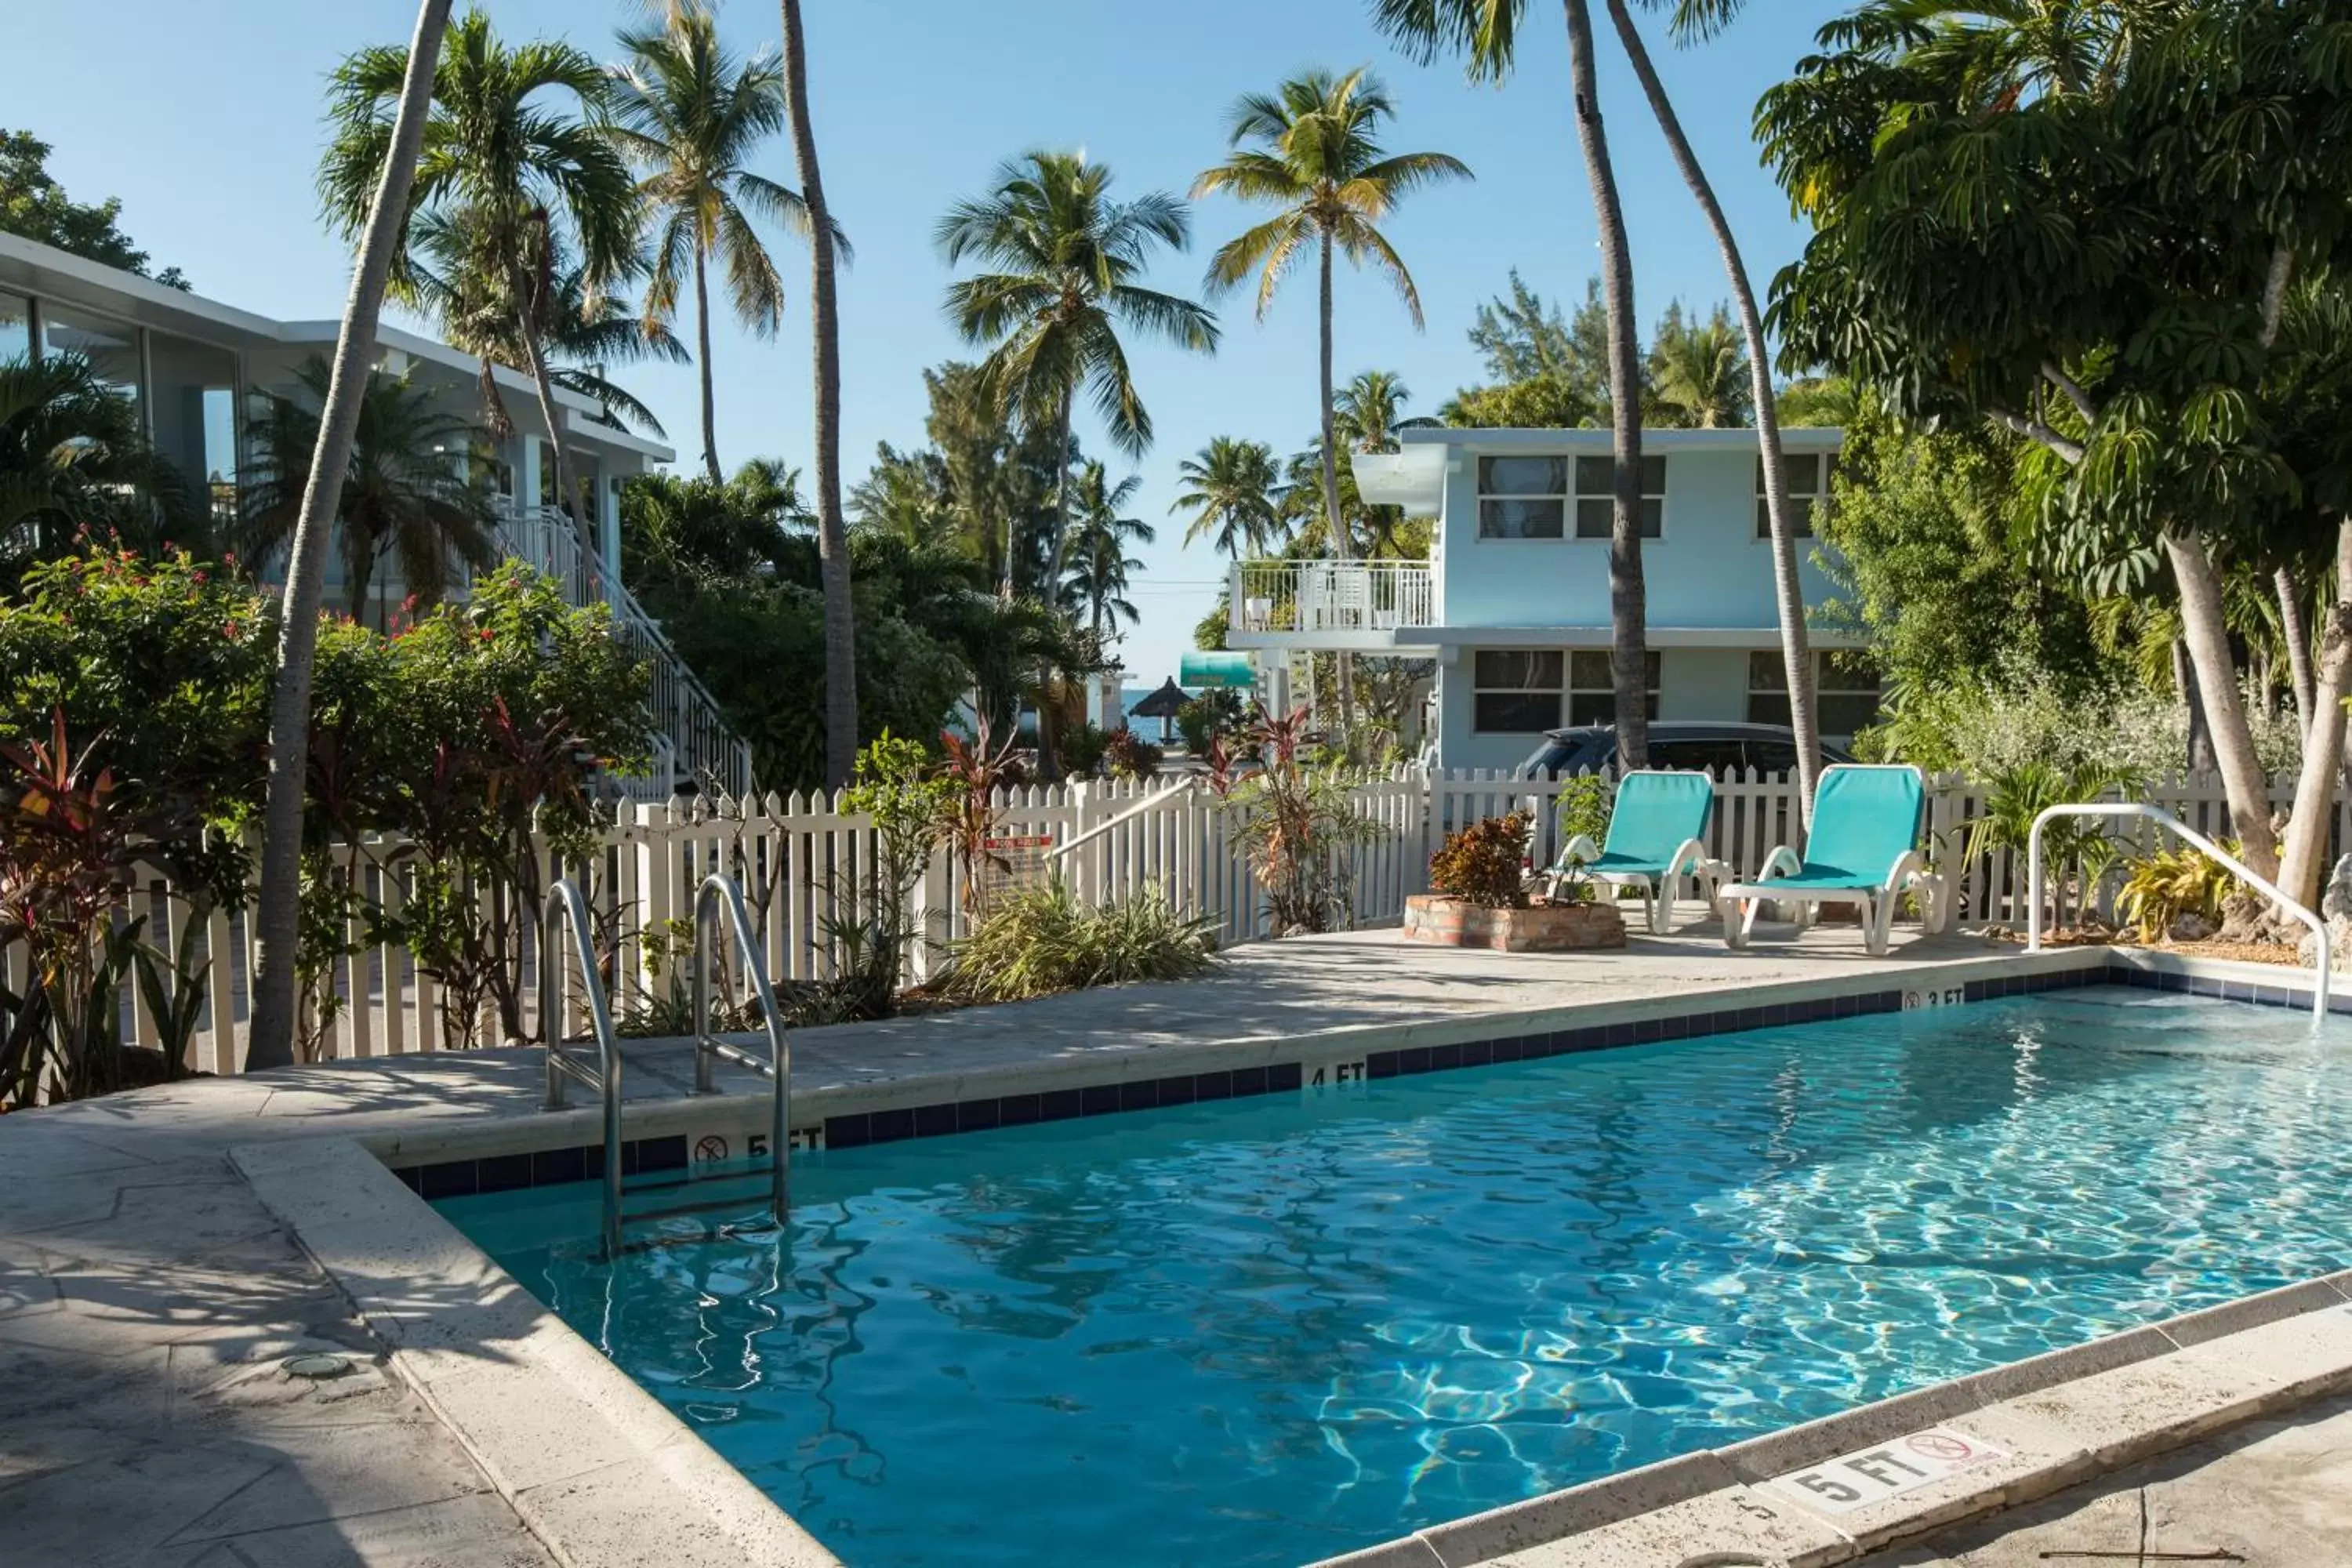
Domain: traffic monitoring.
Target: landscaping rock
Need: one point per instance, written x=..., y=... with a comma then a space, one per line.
x=2191, y=927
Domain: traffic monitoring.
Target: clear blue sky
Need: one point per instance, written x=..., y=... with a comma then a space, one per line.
x=206, y=120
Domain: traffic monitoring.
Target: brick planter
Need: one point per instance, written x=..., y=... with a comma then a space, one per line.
x=1546, y=928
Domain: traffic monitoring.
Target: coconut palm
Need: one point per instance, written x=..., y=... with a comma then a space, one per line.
x=1066, y=258
x=1486, y=31
x=1370, y=411
x=514, y=173
x=1699, y=371
x=73, y=457
x=825, y=321
x=278, y=915
x=1096, y=578
x=402, y=495
x=1312, y=148
x=1230, y=487
x=690, y=115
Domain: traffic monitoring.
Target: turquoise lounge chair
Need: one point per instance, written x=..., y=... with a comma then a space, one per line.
x=1657, y=836
x=1862, y=849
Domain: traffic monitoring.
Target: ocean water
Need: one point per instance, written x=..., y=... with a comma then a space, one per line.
x=1269, y=1331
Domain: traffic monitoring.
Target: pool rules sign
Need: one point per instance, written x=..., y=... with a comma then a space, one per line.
x=1872, y=1475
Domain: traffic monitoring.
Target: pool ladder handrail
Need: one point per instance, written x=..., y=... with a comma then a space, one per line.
x=2165, y=820
x=565, y=912
x=721, y=891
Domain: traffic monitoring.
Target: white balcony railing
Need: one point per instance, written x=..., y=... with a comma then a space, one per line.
x=691, y=737
x=1308, y=597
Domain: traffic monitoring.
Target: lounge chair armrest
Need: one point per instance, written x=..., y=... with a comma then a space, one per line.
x=1782, y=862
x=1579, y=851
x=1690, y=854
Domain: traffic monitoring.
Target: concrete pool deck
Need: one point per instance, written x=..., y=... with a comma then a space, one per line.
x=162, y=1253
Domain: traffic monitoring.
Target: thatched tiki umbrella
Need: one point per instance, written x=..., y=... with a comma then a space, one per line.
x=1162, y=705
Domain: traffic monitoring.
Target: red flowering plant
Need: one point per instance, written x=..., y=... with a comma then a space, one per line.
x=1298, y=824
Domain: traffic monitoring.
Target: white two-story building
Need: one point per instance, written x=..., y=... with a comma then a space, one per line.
x=191, y=366
x=1513, y=604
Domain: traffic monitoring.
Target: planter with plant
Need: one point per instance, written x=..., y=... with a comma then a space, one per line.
x=1480, y=899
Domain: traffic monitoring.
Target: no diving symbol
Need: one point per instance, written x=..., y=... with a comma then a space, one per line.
x=1939, y=1446
x=709, y=1148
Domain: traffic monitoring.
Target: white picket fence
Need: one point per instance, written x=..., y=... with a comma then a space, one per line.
x=799, y=858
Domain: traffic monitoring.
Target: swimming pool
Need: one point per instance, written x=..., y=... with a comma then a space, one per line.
x=1268, y=1330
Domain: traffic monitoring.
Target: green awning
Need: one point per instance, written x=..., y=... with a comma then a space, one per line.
x=1234, y=669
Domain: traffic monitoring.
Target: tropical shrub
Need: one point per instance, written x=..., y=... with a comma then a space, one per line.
x=1214, y=713
x=1485, y=863
x=1583, y=808
x=2162, y=887
x=1083, y=747
x=1041, y=941
x=1297, y=824
x=1129, y=755
x=912, y=805
x=978, y=771
x=2074, y=849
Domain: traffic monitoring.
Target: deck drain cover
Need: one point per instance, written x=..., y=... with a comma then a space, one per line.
x=318, y=1365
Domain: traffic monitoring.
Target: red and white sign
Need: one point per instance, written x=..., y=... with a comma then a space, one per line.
x=1013, y=863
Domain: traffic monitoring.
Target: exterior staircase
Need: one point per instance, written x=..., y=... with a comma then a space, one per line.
x=692, y=743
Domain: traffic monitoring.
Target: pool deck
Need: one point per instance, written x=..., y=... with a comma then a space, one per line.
x=162, y=1252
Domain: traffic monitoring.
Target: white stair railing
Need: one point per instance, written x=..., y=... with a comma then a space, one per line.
x=2165, y=820
x=694, y=736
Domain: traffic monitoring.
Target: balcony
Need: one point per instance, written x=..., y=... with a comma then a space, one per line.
x=1331, y=604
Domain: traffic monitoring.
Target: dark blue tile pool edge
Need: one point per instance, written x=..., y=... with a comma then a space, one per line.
x=548, y=1167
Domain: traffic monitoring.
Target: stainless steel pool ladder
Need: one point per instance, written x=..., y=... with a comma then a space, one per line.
x=566, y=913
x=720, y=895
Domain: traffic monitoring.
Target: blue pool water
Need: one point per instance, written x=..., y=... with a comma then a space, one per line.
x=1267, y=1330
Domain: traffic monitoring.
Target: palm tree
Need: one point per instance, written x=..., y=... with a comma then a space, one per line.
x=271, y=1043
x=593, y=330
x=1097, y=576
x=1486, y=32
x=690, y=115
x=402, y=494
x=72, y=456
x=831, y=535
x=1066, y=258
x=513, y=172
x=1230, y=493
x=1312, y=148
x=1696, y=18
x=1700, y=371
x=1370, y=411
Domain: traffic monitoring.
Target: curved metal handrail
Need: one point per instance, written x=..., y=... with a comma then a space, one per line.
x=719, y=889
x=564, y=910
x=2164, y=818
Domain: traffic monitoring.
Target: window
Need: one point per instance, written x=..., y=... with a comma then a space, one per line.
x=16, y=327
x=1592, y=690
x=1845, y=685
x=1522, y=498
x=111, y=346
x=1810, y=476
x=1596, y=497
x=1517, y=690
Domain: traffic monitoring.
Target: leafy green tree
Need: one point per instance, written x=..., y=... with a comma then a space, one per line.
x=2106, y=272
x=403, y=495
x=34, y=205
x=516, y=172
x=1698, y=371
x=1486, y=34
x=1312, y=148
x=73, y=457
x=1066, y=259
x=691, y=116
x=1544, y=372
x=1229, y=489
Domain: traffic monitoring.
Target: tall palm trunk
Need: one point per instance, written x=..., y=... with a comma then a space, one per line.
x=1049, y=729
x=278, y=914
x=2302, y=865
x=567, y=494
x=1341, y=546
x=702, y=362
x=2203, y=629
x=1628, y=611
x=2297, y=637
x=1788, y=590
x=832, y=537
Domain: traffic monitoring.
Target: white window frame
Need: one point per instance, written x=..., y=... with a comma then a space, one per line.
x=1556, y=689
x=1770, y=661
x=1810, y=477
x=1558, y=496
x=1599, y=659
x=1605, y=498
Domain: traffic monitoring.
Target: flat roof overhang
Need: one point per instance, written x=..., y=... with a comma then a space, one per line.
x=1425, y=641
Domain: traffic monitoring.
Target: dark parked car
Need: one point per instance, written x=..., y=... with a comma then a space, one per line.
x=1680, y=744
